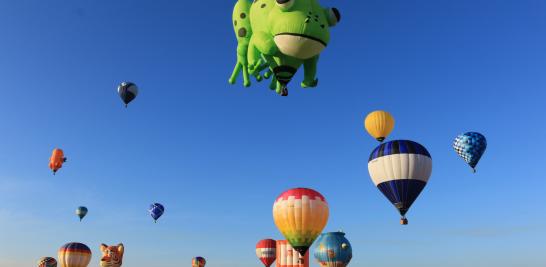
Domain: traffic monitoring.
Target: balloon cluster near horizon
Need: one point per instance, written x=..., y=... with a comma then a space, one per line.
x=333, y=250
x=56, y=160
x=279, y=36
x=379, y=124
x=400, y=169
x=470, y=146
x=266, y=251
x=300, y=214
x=47, y=262
x=74, y=255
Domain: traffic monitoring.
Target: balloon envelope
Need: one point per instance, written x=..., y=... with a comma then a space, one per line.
x=379, y=124
x=266, y=251
x=81, y=212
x=470, y=146
x=198, y=262
x=56, y=160
x=300, y=214
x=47, y=262
x=400, y=169
x=127, y=91
x=156, y=210
x=333, y=250
x=74, y=255
x=287, y=256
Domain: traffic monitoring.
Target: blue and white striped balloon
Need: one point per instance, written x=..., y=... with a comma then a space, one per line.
x=470, y=146
x=400, y=169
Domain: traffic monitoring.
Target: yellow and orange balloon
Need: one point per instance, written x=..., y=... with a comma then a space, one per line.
x=300, y=215
x=379, y=124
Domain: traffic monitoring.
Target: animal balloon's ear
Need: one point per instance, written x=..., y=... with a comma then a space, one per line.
x=121, y=248
x=103, y=247
x=333, y=16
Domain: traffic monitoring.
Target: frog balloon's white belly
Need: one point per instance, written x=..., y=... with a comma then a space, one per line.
x=298, y=46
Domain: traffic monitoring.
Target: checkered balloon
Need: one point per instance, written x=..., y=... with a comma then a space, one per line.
x=470, y=146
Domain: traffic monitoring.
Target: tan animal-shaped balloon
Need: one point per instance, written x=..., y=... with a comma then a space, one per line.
x=112, y=256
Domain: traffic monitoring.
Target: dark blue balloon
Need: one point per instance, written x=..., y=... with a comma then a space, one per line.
x=156, y=210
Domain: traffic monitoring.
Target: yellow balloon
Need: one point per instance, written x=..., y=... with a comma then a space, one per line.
x=379, y=124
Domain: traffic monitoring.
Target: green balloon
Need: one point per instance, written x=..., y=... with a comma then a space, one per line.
x=278, y=36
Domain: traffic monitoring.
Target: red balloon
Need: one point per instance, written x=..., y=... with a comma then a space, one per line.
x=266, y=250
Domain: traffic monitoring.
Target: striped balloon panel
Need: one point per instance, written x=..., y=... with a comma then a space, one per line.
x=74, y=255
x=198, y=262
x=47, y=262
x=470, y=146
x=333, y=250
x=289, y=257
x=266, y=251
x=400, y=170
x=300, y=214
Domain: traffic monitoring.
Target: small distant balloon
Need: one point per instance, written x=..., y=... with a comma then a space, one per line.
x=266, y=251
x=74, y=255
x=198, y=262
x=127, y=91
x=379, y=124
x=470, y=146
x=47, y=262
x=81, y=212
x=56, y=160
x=156, y=210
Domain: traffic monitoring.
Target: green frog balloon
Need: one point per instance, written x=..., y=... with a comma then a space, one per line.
x=276, y=37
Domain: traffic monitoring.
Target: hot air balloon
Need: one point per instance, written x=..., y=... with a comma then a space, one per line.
x=470, y=146
x=400, y=169
x=333, y=250
x=128, y=91
x=81, y=212
x=379, y=124
x=198, y=262
x=47, y=262
x=300, y=215
x=156, y=210
x=112, y=256
x=266, y=251
x=57, y=159
x=289, y=257
x=74, y=255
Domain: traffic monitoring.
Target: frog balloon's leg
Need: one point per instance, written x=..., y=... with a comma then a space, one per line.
x=310, y=72
x=241, y=65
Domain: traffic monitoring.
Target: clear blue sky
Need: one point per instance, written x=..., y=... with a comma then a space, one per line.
x=217, y=155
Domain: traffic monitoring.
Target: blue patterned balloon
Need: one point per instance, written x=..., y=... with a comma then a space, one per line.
x=156, y=210
x=333, y=250
x=470, y=146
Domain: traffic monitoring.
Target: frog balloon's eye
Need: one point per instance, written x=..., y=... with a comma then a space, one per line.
x=285, y=4
x=333, y=16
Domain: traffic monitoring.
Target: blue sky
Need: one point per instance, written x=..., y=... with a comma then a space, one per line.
x=217, y=155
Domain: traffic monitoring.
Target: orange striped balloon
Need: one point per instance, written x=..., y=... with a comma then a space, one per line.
x=74, y=255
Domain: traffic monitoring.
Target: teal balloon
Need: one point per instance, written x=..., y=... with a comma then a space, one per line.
x=333, y=250
x=470, y=146
x=81, y=212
